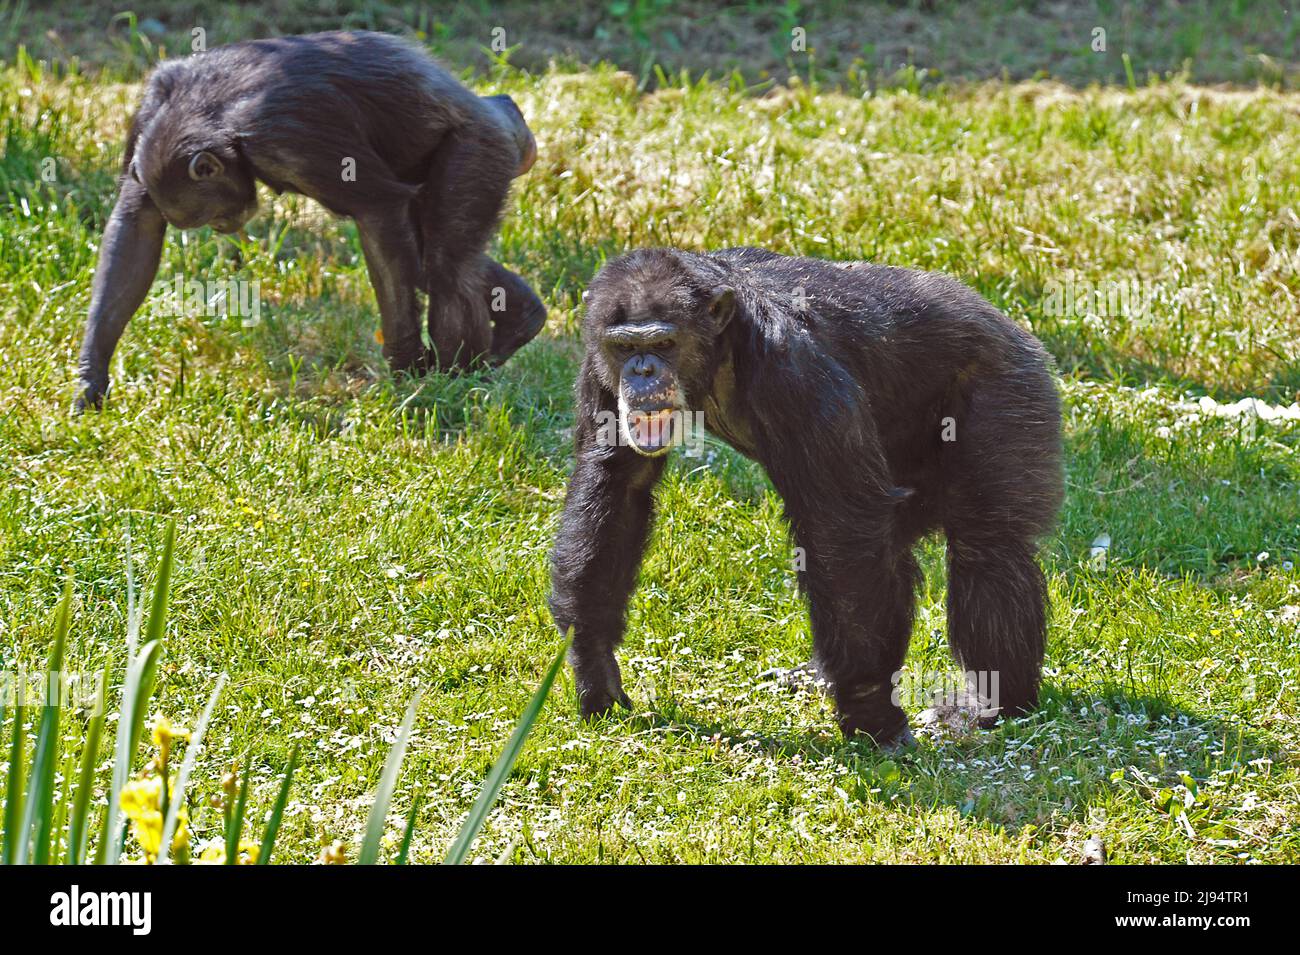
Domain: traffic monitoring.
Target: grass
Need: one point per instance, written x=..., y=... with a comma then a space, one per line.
x=857, y=42
x=346, y=540
x=151, y=805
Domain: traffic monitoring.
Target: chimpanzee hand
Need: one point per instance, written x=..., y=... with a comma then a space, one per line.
x=600, y=686
x=90, y=396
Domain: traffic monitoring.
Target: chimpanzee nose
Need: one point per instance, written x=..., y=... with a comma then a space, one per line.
x=647, y=366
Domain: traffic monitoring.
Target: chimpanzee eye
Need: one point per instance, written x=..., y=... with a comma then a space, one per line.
x=666, y=345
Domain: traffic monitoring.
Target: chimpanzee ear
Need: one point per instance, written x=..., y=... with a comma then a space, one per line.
x=133, y=172
x=204, y=165
x=722, y=304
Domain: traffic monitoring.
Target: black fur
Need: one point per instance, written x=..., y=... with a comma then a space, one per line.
x=837, y=378
x=433, y=165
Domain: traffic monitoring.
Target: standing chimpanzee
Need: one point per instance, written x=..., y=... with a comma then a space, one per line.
x=883, y=402
x=368, y=126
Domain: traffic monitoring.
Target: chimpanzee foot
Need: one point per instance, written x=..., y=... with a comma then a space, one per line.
x=414, y=361
x=870, y=711
x=902, y=741
x=886, y=740
x=594, y=705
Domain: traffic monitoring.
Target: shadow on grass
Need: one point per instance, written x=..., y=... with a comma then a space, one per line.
x=910, y=43
x=1063, y=761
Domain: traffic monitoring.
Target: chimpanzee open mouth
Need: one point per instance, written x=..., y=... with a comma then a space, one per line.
x=653, y=432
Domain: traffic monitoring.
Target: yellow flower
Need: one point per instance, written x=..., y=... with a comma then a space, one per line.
x=336, y=854
x=163, y=734
x=141, y=800
x=215, y=853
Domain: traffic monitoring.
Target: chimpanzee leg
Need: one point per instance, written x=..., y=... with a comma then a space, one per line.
x=997, y=619
x=861, y=616
x=517, y=314
x=846, y=515
x=1005, y=487
x=461, y=203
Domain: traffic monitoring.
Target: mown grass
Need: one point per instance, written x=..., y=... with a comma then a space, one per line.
x=345, y=538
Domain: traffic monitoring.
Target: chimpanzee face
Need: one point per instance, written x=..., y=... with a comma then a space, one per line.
x=200, y=187
x=649, y=386
x=653, y=340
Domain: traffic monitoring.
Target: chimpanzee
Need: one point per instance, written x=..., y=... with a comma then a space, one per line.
x=367, y=125
x=883, y=403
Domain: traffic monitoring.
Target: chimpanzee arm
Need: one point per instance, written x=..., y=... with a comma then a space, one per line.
x=128, y=262
x=393, y=261
x=603, y=533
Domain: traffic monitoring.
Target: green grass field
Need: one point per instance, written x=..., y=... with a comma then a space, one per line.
x=345, y=537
